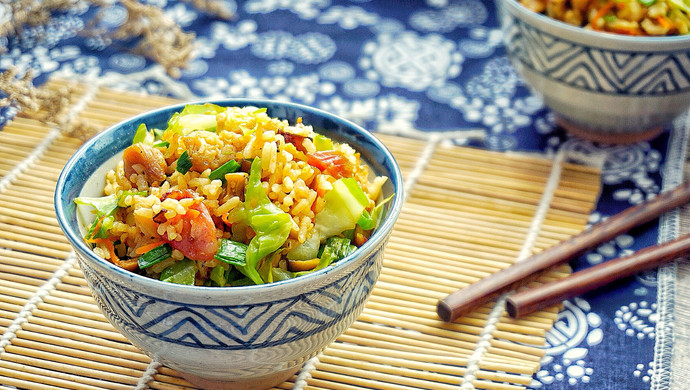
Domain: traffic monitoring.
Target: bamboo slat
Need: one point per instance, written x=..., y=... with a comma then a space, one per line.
x=467, y=215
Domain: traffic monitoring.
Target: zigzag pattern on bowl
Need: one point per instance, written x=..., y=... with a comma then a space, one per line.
x=240, y=326
x=597, y=70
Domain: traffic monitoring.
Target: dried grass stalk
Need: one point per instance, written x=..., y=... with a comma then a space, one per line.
x=161, y=39
x=49, y=106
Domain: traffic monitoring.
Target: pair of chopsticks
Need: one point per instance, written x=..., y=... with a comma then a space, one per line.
x=518, y=304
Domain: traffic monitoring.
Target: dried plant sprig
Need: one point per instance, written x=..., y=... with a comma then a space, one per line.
x=160, y=38
x=49, y=106
x=19, y=91
x=218, y=8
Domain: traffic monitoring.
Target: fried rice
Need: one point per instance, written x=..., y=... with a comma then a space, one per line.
x=195, y=194
x=628, y=17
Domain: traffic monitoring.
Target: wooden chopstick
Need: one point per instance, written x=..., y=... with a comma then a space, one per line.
x=533, y=299
x=469, y=298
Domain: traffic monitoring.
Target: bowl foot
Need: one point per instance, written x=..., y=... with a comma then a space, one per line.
x=608, y=138
x=259, y=383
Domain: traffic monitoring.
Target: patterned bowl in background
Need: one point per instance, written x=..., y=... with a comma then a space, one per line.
x=236, y=337
x=601, y=86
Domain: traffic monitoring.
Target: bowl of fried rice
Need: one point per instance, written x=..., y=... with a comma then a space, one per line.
x=613, y=71
x=231, y=240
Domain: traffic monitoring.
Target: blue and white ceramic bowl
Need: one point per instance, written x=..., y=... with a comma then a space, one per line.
x=601, y=86
x=239, y=337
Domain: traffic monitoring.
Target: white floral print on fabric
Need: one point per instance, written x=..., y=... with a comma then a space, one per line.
x=302, y=88
x=644, y=372
x=567, y=345
x=181, y=14
x=483, y=43
x=637, y=319
x=338, y=71
x=127, y=63
x=234, y=37
x=114, y=16
x=489, y=100
x=464, y=13
x=619, y=246
x=348, y=18
x=634, y=163
x=308, y=48
x=280, y=68
x=305, y=9
x=38, y=60
x=383, y=112
x=411, y=61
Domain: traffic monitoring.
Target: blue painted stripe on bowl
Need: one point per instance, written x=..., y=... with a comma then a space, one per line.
x=606, y=70
x=272, y=331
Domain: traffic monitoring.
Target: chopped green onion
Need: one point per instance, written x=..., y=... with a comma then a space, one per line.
x=334, y=249
x=647, y=3
x=161, y=144
x=184, y=163
x=609, y=18
x=377, y=213
x=182, y=272
x=140, y=135
x=229, y=167
x=232, y=252
x=260, y=110
x=365, y=221
x=155, y=255
x=218, y=275
x=321, y=142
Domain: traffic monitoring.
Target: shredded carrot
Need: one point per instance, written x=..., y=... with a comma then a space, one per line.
x=601, y=12
x=108, y=243
x=129, y=265
x=224, y=218
x=665, y=22
x=193, y=213
x=145, y=248
x=360, y=239
x=98, y=225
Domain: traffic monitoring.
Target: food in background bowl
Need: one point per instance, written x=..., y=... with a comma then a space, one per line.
x=629, y=17
x=228, y=196
x=603, y=87
x=253, y=336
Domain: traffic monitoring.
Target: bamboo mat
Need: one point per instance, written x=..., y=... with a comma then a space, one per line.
x=467, y=214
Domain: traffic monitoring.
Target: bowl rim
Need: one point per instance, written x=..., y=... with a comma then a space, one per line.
x=565, y=31
x=379, y=237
